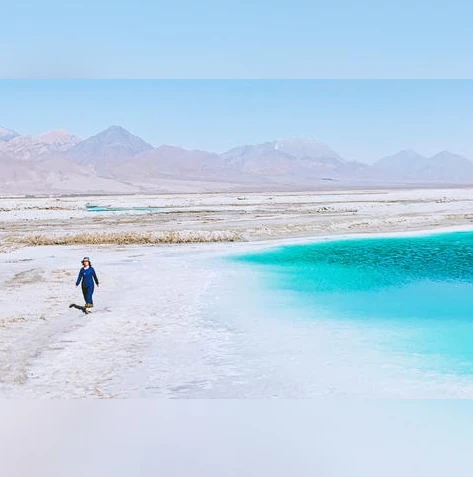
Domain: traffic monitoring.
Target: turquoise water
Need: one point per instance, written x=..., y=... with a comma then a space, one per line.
x=416, y=292
x=98, y=208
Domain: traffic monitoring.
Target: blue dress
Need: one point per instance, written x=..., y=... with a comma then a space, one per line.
x=87, y=276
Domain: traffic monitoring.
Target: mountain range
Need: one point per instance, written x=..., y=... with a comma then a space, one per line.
x=116, y=161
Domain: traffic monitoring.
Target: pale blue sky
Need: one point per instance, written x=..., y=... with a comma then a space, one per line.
x=236, y=39
x=360, y=119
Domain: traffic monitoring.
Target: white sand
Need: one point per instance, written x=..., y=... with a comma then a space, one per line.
x=180, y=321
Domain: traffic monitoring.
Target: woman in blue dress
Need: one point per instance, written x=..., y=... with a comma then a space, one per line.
x=87, y=276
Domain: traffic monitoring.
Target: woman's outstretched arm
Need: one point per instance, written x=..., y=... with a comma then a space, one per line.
x=95, y=277
x=79, y=278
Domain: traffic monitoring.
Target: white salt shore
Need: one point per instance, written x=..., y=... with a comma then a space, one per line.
x=183, y=321
x=177, y=321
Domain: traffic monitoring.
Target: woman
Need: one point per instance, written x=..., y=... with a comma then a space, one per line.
x=87, y=276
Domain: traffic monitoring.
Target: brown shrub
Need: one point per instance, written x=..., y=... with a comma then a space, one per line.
x=133, y=238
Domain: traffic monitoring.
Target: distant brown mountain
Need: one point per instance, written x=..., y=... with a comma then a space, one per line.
x=107, y=149
x=171, y=161
x=289, y=158
x=115, y=160
x=34, y=147
x=411, y=167
x=39, y=164
x=7, y=134
x=54, y=175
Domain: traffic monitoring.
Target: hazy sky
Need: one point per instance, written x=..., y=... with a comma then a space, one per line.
x=236, y=38
x=360, y=119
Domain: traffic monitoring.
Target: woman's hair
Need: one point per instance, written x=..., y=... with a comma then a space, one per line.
x=86, y=259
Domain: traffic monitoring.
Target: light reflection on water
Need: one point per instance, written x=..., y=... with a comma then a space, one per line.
x=98, y=208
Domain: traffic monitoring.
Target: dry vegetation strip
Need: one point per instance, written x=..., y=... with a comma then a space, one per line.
x=131, y=238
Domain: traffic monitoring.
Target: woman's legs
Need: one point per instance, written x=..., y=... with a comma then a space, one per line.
x=88, y=292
